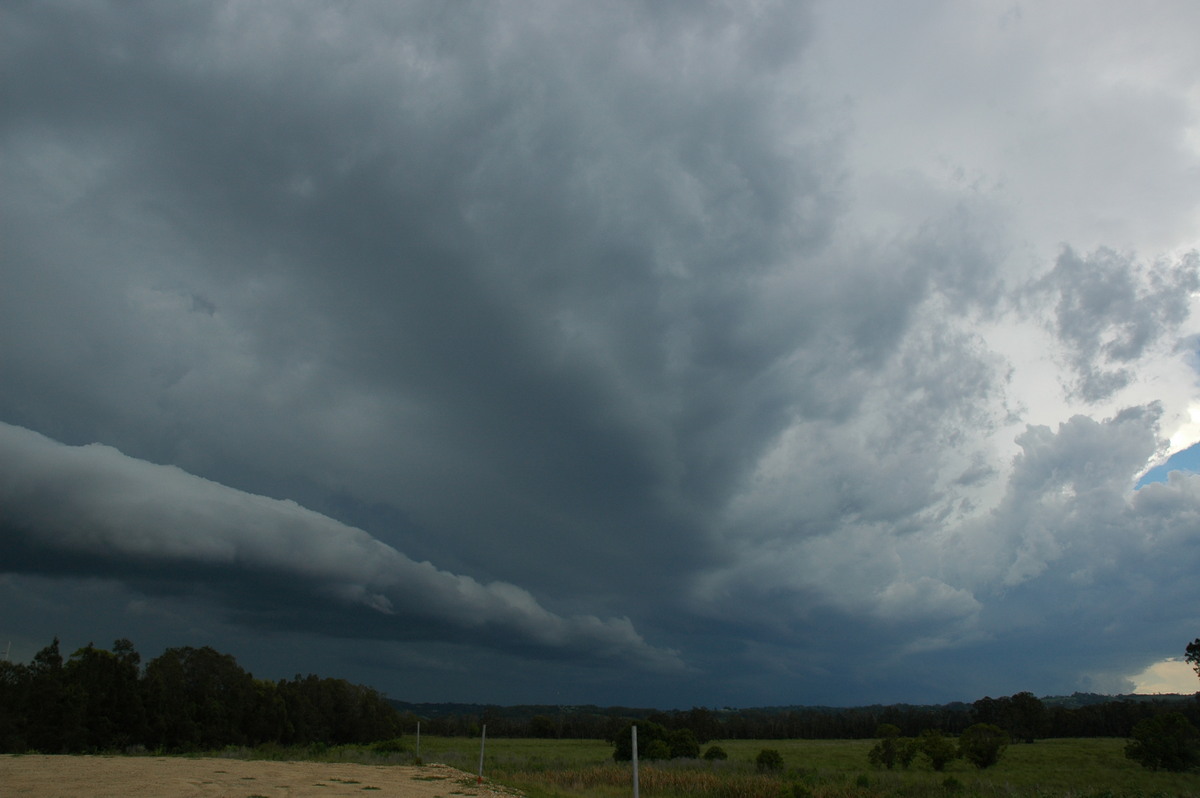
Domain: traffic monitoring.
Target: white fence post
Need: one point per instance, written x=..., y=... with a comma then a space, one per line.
x=635, y=763
x=482, y=740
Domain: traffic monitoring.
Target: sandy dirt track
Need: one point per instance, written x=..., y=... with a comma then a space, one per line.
x=37, y=776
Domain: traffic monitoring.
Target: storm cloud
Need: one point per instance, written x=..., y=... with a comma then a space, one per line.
x=615, y=353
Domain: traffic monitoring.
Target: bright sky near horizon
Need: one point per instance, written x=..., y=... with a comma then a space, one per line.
x=703, y=354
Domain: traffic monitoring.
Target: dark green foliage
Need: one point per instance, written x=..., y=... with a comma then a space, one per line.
x=186, y=699
x=982, y=744
x=715, y=753
x=886, y=752
x=1166, y=742
x=769, y=760
x=393, y=746
x=111, y=714
x=937, y=748
x=656, y=749
x=198, y=698
x=334, y=711
x=648, y=732
x=1192, y=654
x=683, y=744
x=892, y=749
x=1022, y=715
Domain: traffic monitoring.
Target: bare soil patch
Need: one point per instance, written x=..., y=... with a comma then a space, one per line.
x=37, y=776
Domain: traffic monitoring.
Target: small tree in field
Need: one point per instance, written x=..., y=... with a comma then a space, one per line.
x=1166, y=742
x=982, y=744
x=769, y=759
x=938, y=749
x=886, y=752
x=657, y=749
x=683, y=744
x=715, y=753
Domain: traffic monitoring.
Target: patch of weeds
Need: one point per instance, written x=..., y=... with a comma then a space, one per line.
x=429, y=778
x=369, y=787
x=347, y=781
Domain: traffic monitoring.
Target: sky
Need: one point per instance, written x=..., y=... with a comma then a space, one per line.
x=623, y=353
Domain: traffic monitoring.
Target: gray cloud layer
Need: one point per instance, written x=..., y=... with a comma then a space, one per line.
x=621, y=315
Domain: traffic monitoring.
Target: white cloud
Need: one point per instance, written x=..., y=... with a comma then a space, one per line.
x=1167, y=676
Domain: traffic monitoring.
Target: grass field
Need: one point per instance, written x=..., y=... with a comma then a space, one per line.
x=1079, y=768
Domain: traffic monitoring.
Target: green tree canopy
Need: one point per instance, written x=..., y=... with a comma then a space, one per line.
x=1166, y=742
x=982, y=744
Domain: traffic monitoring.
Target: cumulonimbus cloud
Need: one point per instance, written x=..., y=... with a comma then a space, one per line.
x=61, y=503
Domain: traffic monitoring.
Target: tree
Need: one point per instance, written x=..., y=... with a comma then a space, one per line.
x=51, y=710
x=937, y=748
x=715, y=753
x=982, y=744
x=112, y=714
x=886, y=752
x=1165, y=742
x=1027, y=717
x=1022, y=715
x=198, y=698
x=648, y=732
x=683, y=744
x=769, y=759
x=656, y=749
x=1193, y=654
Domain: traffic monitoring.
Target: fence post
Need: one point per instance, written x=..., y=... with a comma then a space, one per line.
x=635, y=762
x=482, y=740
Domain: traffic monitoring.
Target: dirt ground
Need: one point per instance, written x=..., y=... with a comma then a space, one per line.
x=36, y=776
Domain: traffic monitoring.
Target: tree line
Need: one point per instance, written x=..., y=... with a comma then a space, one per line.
x=1022, y=716
x=186, y=699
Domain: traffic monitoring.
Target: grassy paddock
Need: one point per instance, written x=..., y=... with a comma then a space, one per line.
x=1079, y=768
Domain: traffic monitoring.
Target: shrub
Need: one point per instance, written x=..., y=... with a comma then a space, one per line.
x=647, y=733
x=938, y=749
x=714, y=753
x=658, y=749
x=982, y=744
x=1166, y=742
x=769, y=759
x=683, y=744
x=392, y=746
x=886, y=752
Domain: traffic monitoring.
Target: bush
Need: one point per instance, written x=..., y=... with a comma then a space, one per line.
x=683, y=744
x=982, y=744
x=938, y=749
x=1166, y=742
x=657, y=749
x=769, y=759
x=392, y=746
x=647, y=733
x=886, y=752
x=715, y=753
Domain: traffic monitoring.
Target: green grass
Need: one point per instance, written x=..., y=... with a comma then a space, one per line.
x=1082, y=768
x=1078, y=768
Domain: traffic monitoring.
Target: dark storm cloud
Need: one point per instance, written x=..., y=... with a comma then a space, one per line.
x=587, y=305
x=91, y=508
